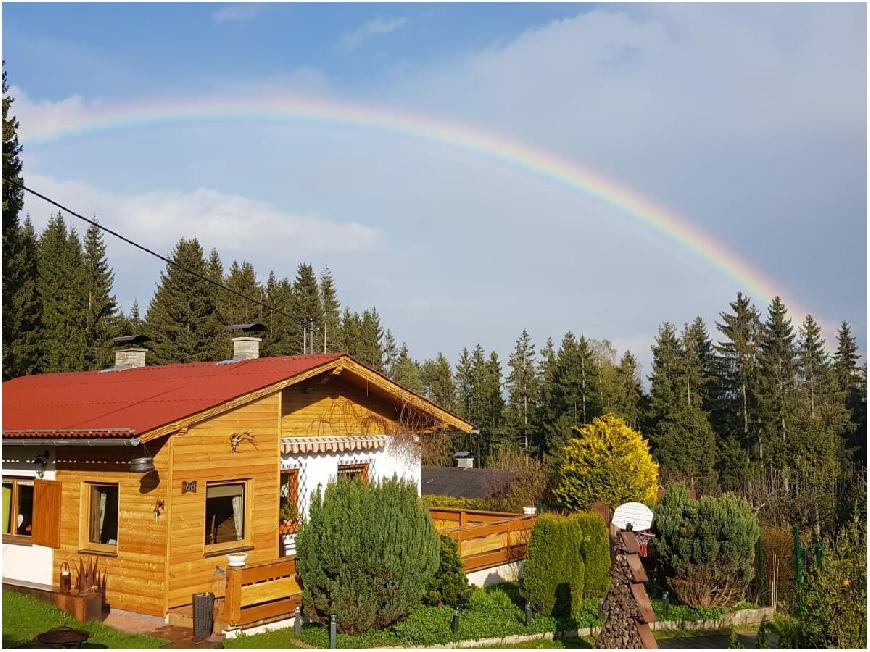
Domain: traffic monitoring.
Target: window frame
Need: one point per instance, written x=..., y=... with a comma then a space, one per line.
x=211, y=549
x=13, y=536
x=85, y=543
x=293, y=477
x=362, y=467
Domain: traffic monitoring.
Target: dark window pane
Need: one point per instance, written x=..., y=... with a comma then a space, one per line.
x=224, y=513
x=104, y=514
x=24, y=519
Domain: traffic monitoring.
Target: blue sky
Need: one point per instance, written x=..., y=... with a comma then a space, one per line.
x=747, y=120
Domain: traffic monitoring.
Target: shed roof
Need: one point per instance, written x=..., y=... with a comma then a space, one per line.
x=465, y=483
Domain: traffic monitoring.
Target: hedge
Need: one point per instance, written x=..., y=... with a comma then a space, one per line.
x=595, y=549
x=553, y=576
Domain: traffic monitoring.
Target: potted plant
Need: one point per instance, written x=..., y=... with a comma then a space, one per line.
x=88, y=592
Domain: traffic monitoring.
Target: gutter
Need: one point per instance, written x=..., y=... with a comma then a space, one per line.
x=78, y=441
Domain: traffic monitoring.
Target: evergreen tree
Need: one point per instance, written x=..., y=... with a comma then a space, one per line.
x=685, y=444
x=438, y=384
x=102, y=321
x=280, y=337
x=307, y=308
x=60, y=285
x=406, y=371
x=548, y=410
x=621, y=391
x=735, y=396
x=351, y=327
x=851, y=381
x=330, y=308
x=699, y=364
x=391, y=352
x=522, y=384
x=371, y=338
x=183, y=320
x=777, y=386
x=21, y=308
x=135, y=325
x=465, y=394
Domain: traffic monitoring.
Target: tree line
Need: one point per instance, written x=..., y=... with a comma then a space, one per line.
x=764, y=410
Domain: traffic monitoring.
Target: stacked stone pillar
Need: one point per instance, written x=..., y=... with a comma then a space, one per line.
x=626, y=608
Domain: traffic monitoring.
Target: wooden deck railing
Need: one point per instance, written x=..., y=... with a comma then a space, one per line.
x=485, y=539
x=261, y=591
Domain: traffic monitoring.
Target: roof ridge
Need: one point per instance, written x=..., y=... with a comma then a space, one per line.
x=177, y=365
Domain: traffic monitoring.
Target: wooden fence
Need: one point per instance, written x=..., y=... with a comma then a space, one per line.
x=261, y=591
x=486, y=539
x=272, y=590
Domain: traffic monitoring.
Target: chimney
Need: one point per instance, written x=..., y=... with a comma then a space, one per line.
x=129, y=351
x=464, y=460
x=245, y=345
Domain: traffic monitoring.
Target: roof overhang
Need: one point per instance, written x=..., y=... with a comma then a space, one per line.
x=442, y=418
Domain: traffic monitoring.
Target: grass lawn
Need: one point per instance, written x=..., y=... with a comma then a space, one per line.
x=25, y=617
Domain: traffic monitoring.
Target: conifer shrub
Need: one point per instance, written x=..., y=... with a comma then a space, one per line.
x=595, y=549
x=449, y=586
x=605, y=461
x=365, y=554
x=553, y=575
x=707, y=546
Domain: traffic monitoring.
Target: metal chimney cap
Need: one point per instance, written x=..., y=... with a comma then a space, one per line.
x=253, y=328
x=130, y=340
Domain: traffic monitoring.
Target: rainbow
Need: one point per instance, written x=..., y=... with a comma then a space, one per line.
x=471, y=139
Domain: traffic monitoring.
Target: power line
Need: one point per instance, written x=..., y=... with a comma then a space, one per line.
x=147, y=250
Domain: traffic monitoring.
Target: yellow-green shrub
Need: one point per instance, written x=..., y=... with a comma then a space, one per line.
x=554, y=571
x=606, y=461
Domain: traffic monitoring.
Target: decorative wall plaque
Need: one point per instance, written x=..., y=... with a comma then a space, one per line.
x=188, y=486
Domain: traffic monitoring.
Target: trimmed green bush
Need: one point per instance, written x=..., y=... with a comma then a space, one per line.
x=707, y=546
x=595, y=549
x=449, y=586
x=458, y=503
x=366, y=554
x=554, y=570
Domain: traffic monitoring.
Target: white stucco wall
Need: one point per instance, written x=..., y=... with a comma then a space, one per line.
x=509, y=572
x=21, y=561
x=322, y=468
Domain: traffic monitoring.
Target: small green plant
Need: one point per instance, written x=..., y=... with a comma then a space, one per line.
x=449, y=586
x=554, y=572
x=734, y=642
x=289, y=510
x=762, y=638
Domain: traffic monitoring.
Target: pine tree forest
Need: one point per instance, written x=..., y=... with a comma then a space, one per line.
x=753, y=403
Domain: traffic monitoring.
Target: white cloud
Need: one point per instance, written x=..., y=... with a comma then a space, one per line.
x=237, y=225
x=236, y=13
x=375, y=27
x=47, y=116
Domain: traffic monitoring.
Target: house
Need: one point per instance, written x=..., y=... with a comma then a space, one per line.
x=160, y=472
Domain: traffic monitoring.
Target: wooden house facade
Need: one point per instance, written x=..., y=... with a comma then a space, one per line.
x=160, y=472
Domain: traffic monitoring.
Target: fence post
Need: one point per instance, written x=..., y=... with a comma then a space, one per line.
x=233, y=596
x=798, y=570
x=763, y=598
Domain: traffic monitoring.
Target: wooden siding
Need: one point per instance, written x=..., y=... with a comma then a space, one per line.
x=136, y=570
x=335, y=407
x=203, y=454
x=485, y=539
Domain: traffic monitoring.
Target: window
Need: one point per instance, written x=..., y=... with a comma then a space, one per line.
x=224, y=512
x=17, y=507
x=353, y=472
x=103, y=514
x=288, y=506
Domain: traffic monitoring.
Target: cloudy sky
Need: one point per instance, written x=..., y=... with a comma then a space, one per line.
x=746, y=122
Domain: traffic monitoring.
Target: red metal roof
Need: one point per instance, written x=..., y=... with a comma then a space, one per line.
x=123, y=404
